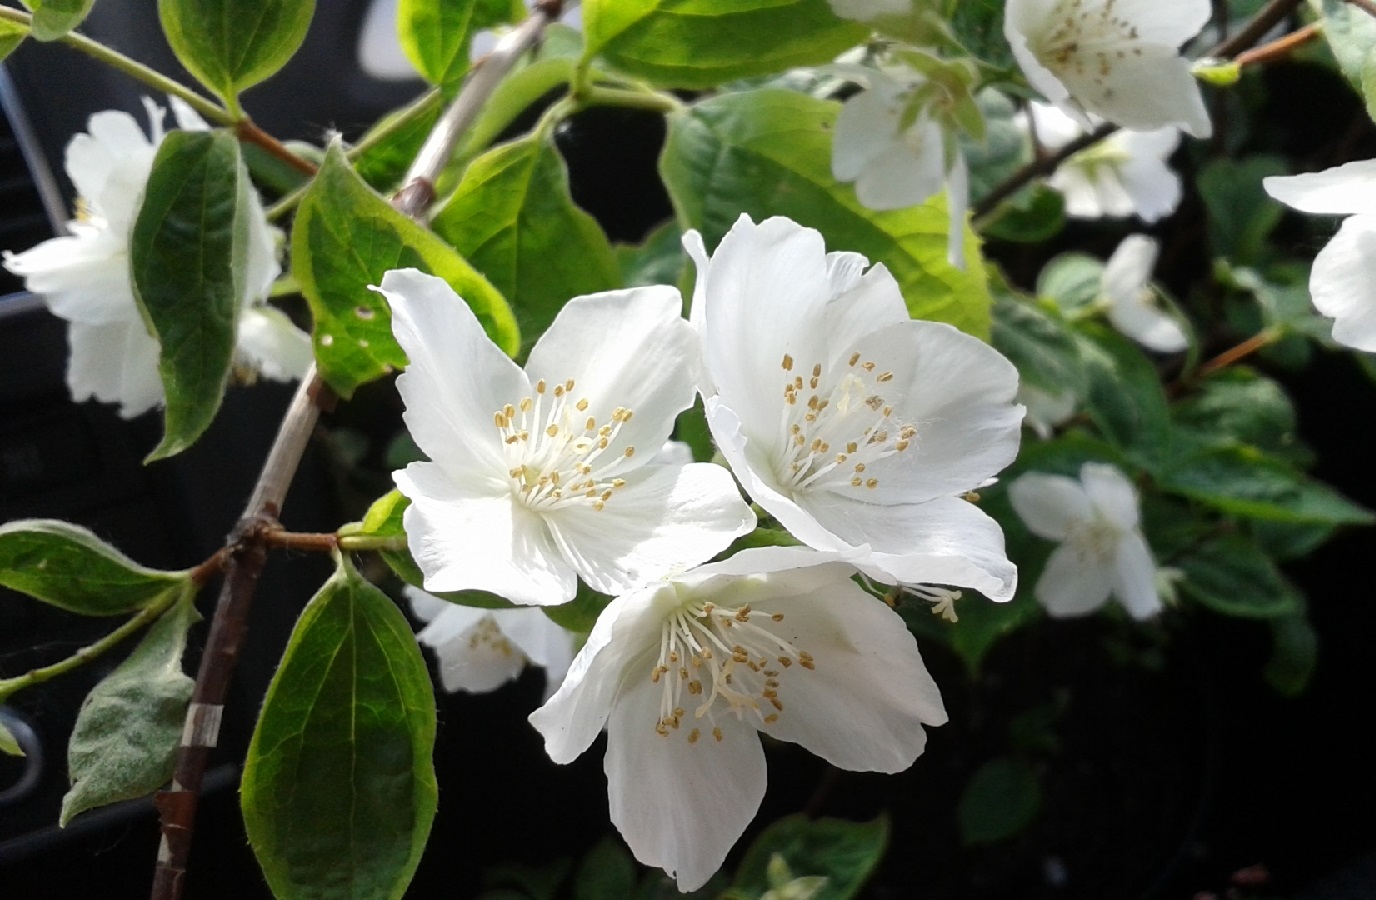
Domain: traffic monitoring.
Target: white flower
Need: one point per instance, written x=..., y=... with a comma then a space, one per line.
x=896, y=163
x=1342, y=282
x=84, y=276
x=1046, y=410
x=1125, y=174
x=1102, y=550
x=856, y=427
x=479, y=650
x=1113, y=58
x=541, y=475
x=1132, y=308
x=683, y=673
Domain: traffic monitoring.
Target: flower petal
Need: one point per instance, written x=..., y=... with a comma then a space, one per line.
x=274, y=346
x=899, y=176
x=83, y=277
x=1129, y=269
x=1134, y=577
x=1152, y=185
x=115, y=362
x=1343, y=284
x=1050, y=505
x=1144, y=91
x=865, y=128
x=1339, y=191
x=1075, y=581
x=545, y=643
x=1111, y=493
x=1171, y=23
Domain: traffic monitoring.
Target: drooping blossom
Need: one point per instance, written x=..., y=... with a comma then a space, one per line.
x=1131, y=300
x=83, y=276
x=537, y=477
x=1123, y=175
x=683, y=673
x=1102, y=552
x=859, y=429
x=1342, y=282
x=1117, y=59
x=479, y=650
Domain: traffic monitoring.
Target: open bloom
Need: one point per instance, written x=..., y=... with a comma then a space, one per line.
x=1117, y=59
x=1132, y=306
x=1342, y=282
x=858, y=428
x=684, y=673
x=1102, y=550
x=540, y=476
x=83, y=276
x=479, y=650
x=1125, y=174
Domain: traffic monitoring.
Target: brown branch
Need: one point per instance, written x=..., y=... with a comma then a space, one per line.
x=1279, y=48
x=318, y=542
x=250, y=133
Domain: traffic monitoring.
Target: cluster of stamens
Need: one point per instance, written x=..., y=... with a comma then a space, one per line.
x=557, y=449
x=836, y=433
x=717, y=653
x=487, y=632
x=1067, y=46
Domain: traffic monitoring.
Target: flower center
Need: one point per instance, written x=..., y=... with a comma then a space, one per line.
x=833, y=434
x=557, y=451
x=721, y=655
x=488, y=633
x=1095, y=540
x=1085, y=42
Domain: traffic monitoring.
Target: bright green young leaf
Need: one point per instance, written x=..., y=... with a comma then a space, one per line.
x=126, y=735
x=1294, y=654
x=514, y=220
x=344, y=239
x=230, y=45
x=339, y=786
x=768, y=152
x=1351, y=32
x=187, y=258
x=52, y=19
x=607, y=871
x=1232, y=576
x=435, y=34
x=1241, y=213
x=9, y=744
x=1001, y=799
x=703, y=43
x=12, y=34
x=66, y=566
x=1071, y=280
x=845, y=852
x=1245, y=482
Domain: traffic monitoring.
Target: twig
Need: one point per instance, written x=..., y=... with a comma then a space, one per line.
x=250, y=133
x=1280, y=47
x=249, y=543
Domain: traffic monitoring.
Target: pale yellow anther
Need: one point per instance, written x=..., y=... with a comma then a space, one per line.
x=788, y=363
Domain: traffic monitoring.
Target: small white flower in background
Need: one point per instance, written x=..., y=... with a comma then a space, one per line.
x=1131, y=300
x=479, y=650
x=83, y=276
x=1102, y=549
x=685, y=672
x=540, y=476
x=1117, y=59
x=858, y=428
x=895, y=162
x=1046, y=410
x=1343, y=281
x=1123, y=175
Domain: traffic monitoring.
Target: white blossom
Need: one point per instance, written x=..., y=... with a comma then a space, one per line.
x=857, y=428
x=1047, y=410
x=684, y=673
x=539, y=475
x=1131, y=299
x=1102, y=551
x=84, y=277
x=1342, y=282
x=1117, y=59
x=1125, y=174
x=479, y=650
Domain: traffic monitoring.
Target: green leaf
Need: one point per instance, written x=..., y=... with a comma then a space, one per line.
x=339, y=787
x=703, y=43
x=515, y=221
x=187, y=259
x=344, y=239
x=9, y=745
x=1038, y=343
x=659, y=259
x=979, y=626
x=1245, y=482
x=230, y=45
x=579, y=614
x=978, y=25
x=66, y=566
x=1032, y=215
x=1294, y=654
x=124, y=743
x=1232, y=576
x=768, y=152
x=436, y=34
x=845, y=852
x=1071, y=280
x=1125, y=397
x=1238, y=406
x=606, y=872
x=1351, y=32
x=392, y=144
x=1241, y=213
x=12, y=34
x=52, y=19
x=1001, y=799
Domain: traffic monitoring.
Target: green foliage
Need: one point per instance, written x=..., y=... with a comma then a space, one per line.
x=1231, y=575
x=1038, y=342
x=1245, y=482
x=978, y=25
x=12, y=34
x=9, y=745
x=339, y=787
x=1294, y=654
x=1241, y=213
x=1001, y=799
x=1125, y=398
x=52, y=19
x=394, y=142
x=607, y=871
x=768, y=152
x=1071, y=280
x=230, y=45
x=344, y=239
x=845, y=852
x=1239, y=406
x=514, y=220
x=1351, y=32
x=435, y=34
x=978, y=628
x=66, y=566
x=702, y=43
x=124, y=743
x=187, y=258
x=659, y=259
